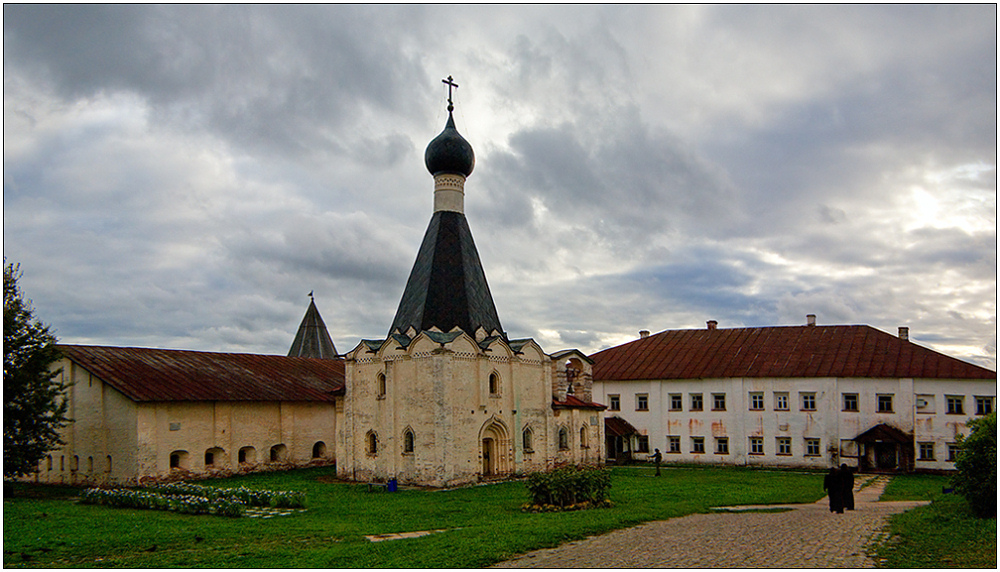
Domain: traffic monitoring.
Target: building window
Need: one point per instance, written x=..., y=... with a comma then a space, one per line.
x=756, y=401
x=722, y=445
x=641, y=402
x=246, y=455
x=850, y=402
x=563, y=439
x=926, y=452
x=808, y=401
x=178, y=460
x=109, y=464
x=756, y=445
x=408, y=441
x=673, y=444
x=583, y=438
x=380, y=382
x=812, y=447
x=372, y=441
x=697, y=444
x=781, y=401
x=885, y=403
x=48, y=463
x=697, y=403
x=526, y=441
x=953, y=450
x=784, y=445
x=495, y=384
x=278, y=453
x=643, y=444
x=209, y=458
x=676, y=401
x=614, y=403
x=718, y=402
x=984, y=405
x=954, y=403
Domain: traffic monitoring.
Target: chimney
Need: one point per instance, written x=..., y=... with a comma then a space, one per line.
x=712, y=324
x=643, y=334
x=904, y=333
x=810, y=319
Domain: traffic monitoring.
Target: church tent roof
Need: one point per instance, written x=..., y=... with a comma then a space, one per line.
x=313, y=339
x=778, y=351
x=147, y=375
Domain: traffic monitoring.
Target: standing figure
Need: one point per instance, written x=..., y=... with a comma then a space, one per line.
x=831, y=483
x=847, y=486
x=657, y=457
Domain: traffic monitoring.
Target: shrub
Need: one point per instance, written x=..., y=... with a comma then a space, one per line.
x=976, y=479
x=569, y=486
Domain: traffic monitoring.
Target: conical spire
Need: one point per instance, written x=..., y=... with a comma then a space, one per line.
x=312, y=339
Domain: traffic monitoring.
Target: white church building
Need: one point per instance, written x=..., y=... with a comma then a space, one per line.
x=446, y=398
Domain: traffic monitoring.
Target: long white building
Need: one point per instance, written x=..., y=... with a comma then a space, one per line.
x=809, y=396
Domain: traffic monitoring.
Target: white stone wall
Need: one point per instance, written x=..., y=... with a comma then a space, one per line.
x=828, y=422
x=139, y=438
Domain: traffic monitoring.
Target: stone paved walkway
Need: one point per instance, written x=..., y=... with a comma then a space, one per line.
x=807, y=536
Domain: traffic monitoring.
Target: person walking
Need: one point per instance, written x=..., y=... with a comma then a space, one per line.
x=834, y=490
x=847, y=486
x=657, y=458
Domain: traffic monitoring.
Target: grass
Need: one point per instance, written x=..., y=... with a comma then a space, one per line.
x=44, y=528
x=943, y=534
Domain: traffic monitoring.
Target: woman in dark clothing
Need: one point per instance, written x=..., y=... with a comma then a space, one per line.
x=831, y=483
x=847, y=486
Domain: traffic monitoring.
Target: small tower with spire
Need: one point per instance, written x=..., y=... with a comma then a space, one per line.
x=312, y=340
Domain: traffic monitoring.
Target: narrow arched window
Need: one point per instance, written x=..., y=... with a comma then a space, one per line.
x=109, y=463
x=372, y=443
x=380, y=382
x=526, y=440
x=583, y=437
x=494, y=384
x=563, y=439
x=319, y=450
x=408, y=441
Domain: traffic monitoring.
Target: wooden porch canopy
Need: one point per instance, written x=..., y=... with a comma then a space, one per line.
x=883, y=433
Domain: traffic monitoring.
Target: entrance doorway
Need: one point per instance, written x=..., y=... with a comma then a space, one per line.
x=885, y=456
x=488, y=447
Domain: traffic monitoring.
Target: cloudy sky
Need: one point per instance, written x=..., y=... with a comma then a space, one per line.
x=183, y=176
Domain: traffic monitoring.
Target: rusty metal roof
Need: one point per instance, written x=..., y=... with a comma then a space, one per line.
x=618, y=426
x=573, y=402
x=778, y=351
x=145, y=374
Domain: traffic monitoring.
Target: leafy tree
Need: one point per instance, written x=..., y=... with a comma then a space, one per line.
x=34, y=407
x=976, y=463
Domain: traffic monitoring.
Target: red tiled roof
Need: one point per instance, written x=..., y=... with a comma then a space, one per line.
x=618, y=426
x=572, y=402
x=780, y=351
x=144, y=374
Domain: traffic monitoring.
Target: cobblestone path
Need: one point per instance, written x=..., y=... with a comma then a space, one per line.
x=807, y=536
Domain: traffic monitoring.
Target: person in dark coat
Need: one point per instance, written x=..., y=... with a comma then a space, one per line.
x=657, y=458
x=831, y=483
x=847, y=486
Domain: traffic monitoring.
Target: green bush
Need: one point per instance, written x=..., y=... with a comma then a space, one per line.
x=976, y=479
x=570, y=486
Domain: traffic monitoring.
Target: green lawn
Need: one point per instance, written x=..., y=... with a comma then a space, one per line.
x=484, y=524
x=944, y=534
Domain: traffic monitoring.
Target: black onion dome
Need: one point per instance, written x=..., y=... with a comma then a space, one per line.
x=449, y=152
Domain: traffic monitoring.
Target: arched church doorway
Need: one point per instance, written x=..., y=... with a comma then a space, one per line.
x=488, y=446
x=495, y=449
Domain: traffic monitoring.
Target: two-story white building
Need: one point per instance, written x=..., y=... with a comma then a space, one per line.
x=809, y=396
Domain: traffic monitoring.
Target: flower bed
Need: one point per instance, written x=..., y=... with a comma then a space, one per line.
x=187, y=498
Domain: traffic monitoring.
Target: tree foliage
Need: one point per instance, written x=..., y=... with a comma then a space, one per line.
x=34, y=407
x=976, y=463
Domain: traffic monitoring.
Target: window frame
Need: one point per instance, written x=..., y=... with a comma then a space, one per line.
x=698, y=445
x=888, y=399
x=674, y=444
x=642, y=402
x=954, y=404
x=643, y=445
x=783, y=446
x=614, y=402
x=676, y=402
x=717, y=399
x=953, y=450
x=697, y=401
x=813, y=447
x=984, y=400
x=807, y=400
x=922, y=451
x=780, y=396
x=722, y=445
x=756, y=446
x=845, y=398
x=756, y=401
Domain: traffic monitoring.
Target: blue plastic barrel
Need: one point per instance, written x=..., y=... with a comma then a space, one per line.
x=392, y=486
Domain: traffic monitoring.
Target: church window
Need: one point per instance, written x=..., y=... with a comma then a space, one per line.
x=812, y=447
x=372, y=443
x=62, y=463
x=756, y=445
x=697, y=402
x=642, y=402
x=614, y=402
x=494, y=384
x=563, y=439
x=722, y=445
x=380, y=381
x=583, y=437
x=526, y=440
x=984, y=405
x=109, y=464
x=48, y=463
x=408, y=441
x=75, y=463
x=955, y=404
x=757, y=401
x=676, y=401
x=718, y=402
x=808, y=401
x=278, y=452
x=90, y=464
x=673, y=444
x=926, y=452
x=319, y=450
